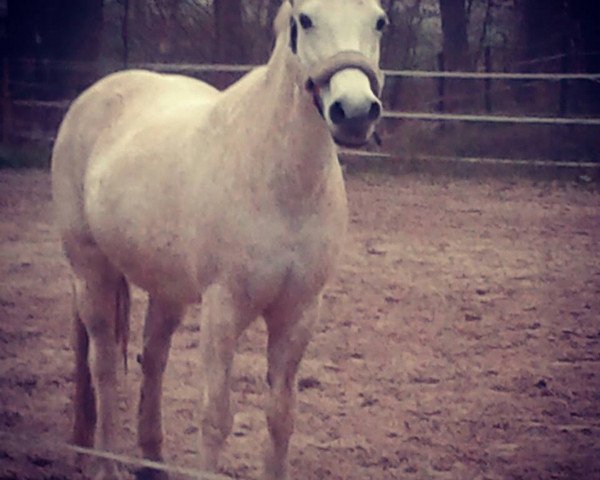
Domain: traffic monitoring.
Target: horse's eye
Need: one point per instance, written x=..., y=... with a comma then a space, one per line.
x=305, y=21
x=381, y=23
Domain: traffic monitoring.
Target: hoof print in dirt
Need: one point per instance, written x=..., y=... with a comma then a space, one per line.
x=307, y=383
x=40, y=461
x=472, y=317
x=367, y=400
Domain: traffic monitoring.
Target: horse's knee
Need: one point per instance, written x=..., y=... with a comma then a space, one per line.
x=96, y=309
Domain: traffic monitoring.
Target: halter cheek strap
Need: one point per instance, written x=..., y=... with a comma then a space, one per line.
x=315, y=90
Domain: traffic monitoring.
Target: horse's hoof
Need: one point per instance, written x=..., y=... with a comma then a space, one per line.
x=148, y=473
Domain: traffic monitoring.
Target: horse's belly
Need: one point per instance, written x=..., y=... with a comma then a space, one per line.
x=160, y=269
x=145, y=236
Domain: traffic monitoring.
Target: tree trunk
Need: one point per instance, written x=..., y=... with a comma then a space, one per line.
x=544, y=28
x=587, y=16
x=61, y=30
x=456, y=53
x=229, y=30
x=454, y=32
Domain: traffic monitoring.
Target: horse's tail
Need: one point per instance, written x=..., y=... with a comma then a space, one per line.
x=122, y=309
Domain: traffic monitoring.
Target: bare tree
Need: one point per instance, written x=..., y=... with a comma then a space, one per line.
x=229, y=31
x=544, y=33
x=587, y=16
x=455, y=51
x=454, y=32
x=400, y=45
x=65, y=30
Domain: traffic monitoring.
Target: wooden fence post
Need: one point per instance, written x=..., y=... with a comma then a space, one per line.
x=441, y=106
x=563, y=96
x=488, y=81
x=7, y=118
x=125, y=33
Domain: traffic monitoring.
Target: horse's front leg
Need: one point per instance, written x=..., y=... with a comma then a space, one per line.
x=289, y=335
x=224, y=318
x=162, y=318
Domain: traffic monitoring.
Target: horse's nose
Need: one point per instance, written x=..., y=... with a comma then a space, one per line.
x=344, y=113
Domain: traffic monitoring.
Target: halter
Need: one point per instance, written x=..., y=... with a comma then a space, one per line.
x=321, y=73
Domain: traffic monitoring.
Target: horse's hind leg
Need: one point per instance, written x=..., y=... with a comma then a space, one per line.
x=289, y=335
x=162, y=319
x=84, y=402
x=101, y=293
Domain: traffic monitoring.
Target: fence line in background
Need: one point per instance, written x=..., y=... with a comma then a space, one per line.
x=399, y=115
x=435, y=158
x=242, y=68
x=493, y=75
x=391, y=115
x=195, y=67
x=199, y=68
x=483, y=160
x=58, y=104
x=49, y=443
x=490, y=118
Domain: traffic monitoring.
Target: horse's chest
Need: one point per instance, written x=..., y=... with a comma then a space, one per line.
x=286, y=259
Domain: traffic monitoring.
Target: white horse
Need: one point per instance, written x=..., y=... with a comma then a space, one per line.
x=232, y=198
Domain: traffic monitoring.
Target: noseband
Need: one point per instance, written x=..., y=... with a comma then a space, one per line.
x=321, y=73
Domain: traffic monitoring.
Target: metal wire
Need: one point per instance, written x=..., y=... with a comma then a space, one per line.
x=483, y=160
x=199, y=68
x=493, y=75
x=447, y=117
x=49, y=443
x=492, y=118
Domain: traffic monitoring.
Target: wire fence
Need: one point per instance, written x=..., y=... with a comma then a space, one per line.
x=348, y=152
x=202, y=68
x=441, y=117
x=23, y=444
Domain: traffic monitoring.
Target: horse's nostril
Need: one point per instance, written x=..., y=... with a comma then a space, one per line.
x=374, y=111
x=336, y=113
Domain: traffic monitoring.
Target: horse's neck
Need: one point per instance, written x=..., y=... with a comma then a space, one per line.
x=285, y=140
x=306, y=147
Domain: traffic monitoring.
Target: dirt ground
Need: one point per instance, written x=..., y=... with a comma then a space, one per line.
x=459, y=340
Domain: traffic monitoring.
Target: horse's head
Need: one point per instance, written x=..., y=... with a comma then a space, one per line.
x=337, y=42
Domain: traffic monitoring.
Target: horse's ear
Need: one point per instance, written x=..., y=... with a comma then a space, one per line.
x=293, y=35
x=281, y=21
x=284, y=23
